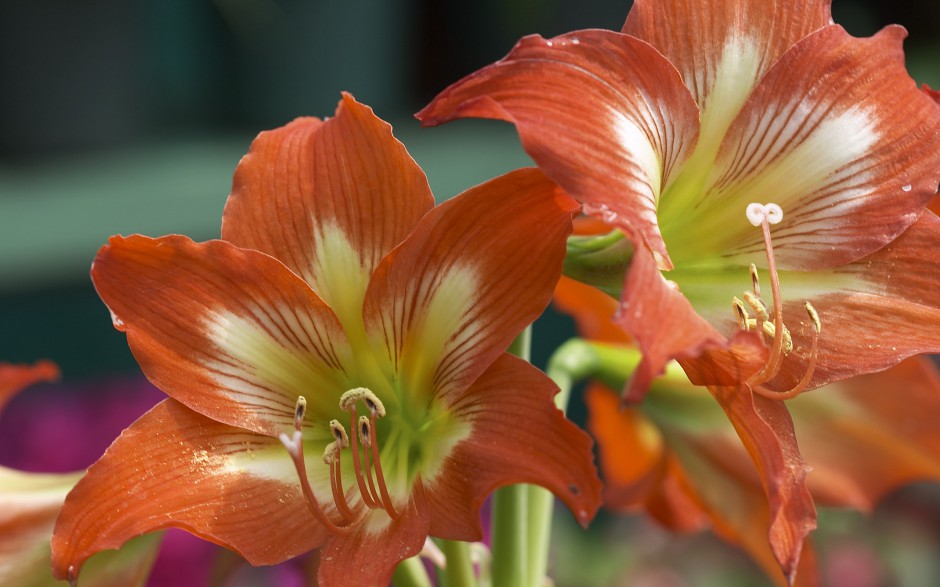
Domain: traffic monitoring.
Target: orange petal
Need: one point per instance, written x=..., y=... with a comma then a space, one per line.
x=605, y=115
x=368, y=555
x=230, y=332
x=452, y=297
x=632, y=454
x=866, y=436
x=766, y=430
x=837, y=134
x=662, y=320
x=176, y=468
x=312, y=191
x=517, y=436
x=885, y=309
x=15, y=378
x=593, y=311
x=699, y=37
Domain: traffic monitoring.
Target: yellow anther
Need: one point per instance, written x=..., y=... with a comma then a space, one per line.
x=300, y=410
x=365, y=431
x=339, y=433
x=771, y=331
x=347, y=401
x=757, y=305
x=740, y=313
x=330, y=453
x=811, y=311
x=755, y=280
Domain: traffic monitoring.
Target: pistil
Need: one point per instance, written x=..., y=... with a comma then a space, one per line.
x=295, y=448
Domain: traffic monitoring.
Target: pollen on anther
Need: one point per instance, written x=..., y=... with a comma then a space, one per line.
x=757, y=305
x=330, y=453
x=365, y=436
x=740, y=313
x=339, y=433
x=300, y=409
x=814, y=316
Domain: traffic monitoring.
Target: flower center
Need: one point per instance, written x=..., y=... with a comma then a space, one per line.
x=763, y=216
x=367, y=466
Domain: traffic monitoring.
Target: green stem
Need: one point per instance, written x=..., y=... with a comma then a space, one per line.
x=411, y=573
x=564, y=366
x=459, y=570
x=510, y=524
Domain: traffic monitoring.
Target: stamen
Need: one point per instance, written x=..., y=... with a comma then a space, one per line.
x=357, y=463
x=295, y=448
x=365, y=438
x=803, y=383
x=331, y=457
x=379, y=476
x=757, y=305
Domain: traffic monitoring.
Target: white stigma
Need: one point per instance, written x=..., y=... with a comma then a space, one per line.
x=757, y=213
x=291, y=443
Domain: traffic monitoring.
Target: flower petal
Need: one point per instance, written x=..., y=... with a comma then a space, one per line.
x=662, y=320
x=838, y=135
x=15, y=378
x=29, y=504
x=766, y=430
x=329, y=199
x=866, y=436
x=604, y=114
x=722, y=49
x=877, y=311
x=452, y=297
x=517, y=436
x=230, y=332
x=367, y=556
x=592, y=310
x=176, y=468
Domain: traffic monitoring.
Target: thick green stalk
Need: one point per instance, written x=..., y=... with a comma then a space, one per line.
x=568, y=361
x=459, y=570
x=411, y=573
x=510, y=524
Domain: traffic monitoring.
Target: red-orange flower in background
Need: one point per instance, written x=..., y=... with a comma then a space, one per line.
x=677, y=457
x=30, y=503
x=677, y=131
x=341, y=309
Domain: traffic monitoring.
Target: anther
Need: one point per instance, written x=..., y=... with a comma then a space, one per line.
x=811, y=311
x=755, y=280
x=365, y=435
x=339, y=433
x=347, y=401
x=740, y=313
x=300, y=410
x=757, y=305
x=331, y=453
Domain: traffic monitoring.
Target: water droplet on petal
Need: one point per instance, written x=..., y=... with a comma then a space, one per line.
x=906, y=188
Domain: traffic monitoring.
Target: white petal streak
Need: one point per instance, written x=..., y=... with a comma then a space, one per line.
x=264, y=360
x=637, y=143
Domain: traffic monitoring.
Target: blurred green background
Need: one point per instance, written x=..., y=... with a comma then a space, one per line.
x=124, y=116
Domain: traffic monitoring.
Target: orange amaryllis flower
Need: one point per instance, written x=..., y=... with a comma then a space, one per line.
x=671, y=129
x=677, y=131
x=348, y=319
x=863, y=438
